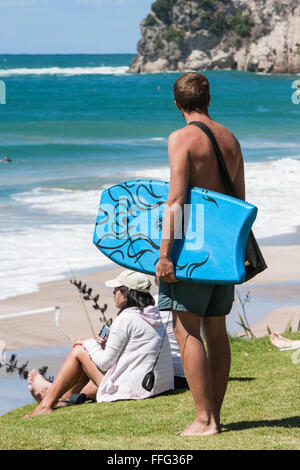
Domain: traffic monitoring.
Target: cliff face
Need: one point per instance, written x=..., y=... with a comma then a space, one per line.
x=253, y=35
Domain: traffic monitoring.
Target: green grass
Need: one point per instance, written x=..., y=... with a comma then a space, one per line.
x=259, y=412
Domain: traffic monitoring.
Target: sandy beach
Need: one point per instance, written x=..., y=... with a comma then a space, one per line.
x=40, y=330
x=278, y=284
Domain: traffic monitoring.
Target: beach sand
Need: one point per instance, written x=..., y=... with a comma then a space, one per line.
x=75, y=313
x=40, y=330
x=282, y=278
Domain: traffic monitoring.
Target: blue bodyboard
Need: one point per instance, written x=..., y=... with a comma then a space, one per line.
x=210, y=247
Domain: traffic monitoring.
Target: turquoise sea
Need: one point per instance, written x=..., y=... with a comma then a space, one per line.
x=75, y=124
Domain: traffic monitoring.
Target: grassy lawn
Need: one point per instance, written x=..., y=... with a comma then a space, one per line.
x=260, y=411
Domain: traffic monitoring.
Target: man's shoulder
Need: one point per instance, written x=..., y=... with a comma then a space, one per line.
x=192, y=130
x=183, y=136
x=224, y=132
x=189, y=136
x=178, y=133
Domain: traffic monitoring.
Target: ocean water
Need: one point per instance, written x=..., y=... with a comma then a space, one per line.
x=75, y=124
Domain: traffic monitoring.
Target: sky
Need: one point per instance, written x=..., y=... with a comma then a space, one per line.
x=71, y=26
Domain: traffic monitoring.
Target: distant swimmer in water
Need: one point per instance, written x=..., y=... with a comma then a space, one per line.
x=6, y=159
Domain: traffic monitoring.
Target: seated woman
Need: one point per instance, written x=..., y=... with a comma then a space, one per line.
x=118, y=366
x=167, y=318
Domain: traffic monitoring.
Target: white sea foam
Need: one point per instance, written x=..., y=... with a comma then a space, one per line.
x=273, y=186
x=67, y=71
x=56, y=201
x=40, y=255
x=42, y=140
x=162, y=173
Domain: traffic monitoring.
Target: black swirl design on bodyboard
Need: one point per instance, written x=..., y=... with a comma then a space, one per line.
x=132, y=189
x=194, y=266
x=210, y=199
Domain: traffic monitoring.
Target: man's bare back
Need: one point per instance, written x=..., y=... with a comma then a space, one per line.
x=203, y=165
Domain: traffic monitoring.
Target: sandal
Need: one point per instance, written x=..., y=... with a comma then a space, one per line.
x=75, y=399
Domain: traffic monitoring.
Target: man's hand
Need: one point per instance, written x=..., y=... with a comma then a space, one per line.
x=165, y=270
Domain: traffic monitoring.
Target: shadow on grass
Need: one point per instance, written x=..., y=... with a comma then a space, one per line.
x=178, y=391
x=292, y=422
x=242, y=379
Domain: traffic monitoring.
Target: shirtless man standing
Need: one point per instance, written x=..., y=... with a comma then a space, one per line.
x=198, y=306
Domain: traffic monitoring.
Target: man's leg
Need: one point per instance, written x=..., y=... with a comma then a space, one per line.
x=219, y=358
x=196, y=368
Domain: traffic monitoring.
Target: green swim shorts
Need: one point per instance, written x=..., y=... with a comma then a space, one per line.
x=211, y=300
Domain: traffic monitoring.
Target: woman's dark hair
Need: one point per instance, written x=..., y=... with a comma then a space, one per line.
x=135, y=298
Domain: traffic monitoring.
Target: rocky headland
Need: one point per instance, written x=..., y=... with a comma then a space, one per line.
x=250, y=35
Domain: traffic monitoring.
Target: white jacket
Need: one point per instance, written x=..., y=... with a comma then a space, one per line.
x=131, y=349
x=167, y=319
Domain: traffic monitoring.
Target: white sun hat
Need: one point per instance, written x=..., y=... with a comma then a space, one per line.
x=132, y=280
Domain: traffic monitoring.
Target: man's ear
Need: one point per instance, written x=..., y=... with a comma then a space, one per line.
x=177, y=105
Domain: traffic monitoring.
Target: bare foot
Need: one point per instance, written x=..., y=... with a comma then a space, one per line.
x=40, y=410
x=38, y=385
x=201, y=428
x=281, y=342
